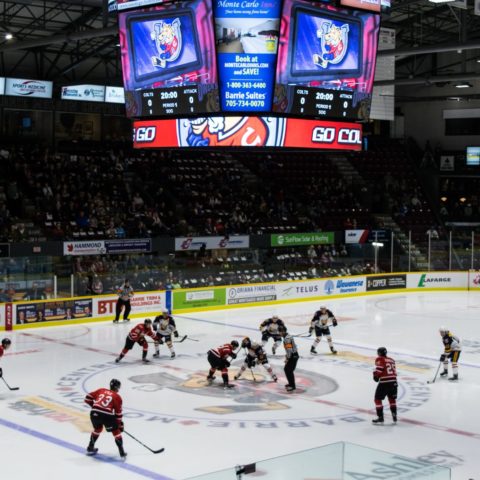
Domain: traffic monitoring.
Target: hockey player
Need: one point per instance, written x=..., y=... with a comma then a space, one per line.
x=6, y=344
x=385, y=374
x=125, y=293
x=137, y=335
x=453, y=349
x=270, y=329
x=165, y=326
x=218, y=360
x=291, y=358
x=106, y=412
x=320, y=324
x=255, y=354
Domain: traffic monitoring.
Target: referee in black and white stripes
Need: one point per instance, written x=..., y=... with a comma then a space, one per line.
x=125, y=293
x=291, y=358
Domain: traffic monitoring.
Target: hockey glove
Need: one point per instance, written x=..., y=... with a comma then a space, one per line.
x=334, y=322
x=310, y=330
x=227, y=364
x=375, y=378
x=175, y=334
x=233, y=355
x=121, y=426
x=443, y=357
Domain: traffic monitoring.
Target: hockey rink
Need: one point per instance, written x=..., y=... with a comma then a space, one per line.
x=45, y=427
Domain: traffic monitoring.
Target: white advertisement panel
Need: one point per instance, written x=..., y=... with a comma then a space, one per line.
x=114, y=95
x=474, y=280
x=22, y=87
x=2, y=85
x=356, y=236
x=85, y=93
x=146, y=302
x=92, y=247
x=251, y=294
x=211, y=243
x=438, y=280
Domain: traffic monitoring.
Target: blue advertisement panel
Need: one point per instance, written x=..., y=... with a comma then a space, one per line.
x=247, y=34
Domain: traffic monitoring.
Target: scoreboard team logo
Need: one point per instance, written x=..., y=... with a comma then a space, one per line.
x=168, y=41
x=333, y=43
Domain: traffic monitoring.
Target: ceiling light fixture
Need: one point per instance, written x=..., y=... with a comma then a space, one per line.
x=464, y=85
x=8, y=36
x=441, y=1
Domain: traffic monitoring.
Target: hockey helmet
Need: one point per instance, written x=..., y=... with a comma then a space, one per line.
x=6, y=342
x=115, y=384
x=246, y=343
x=443, y=331
x=147, y=321
x=275, y=317
x=234, y=344
x=323, y=307
x=382, y=352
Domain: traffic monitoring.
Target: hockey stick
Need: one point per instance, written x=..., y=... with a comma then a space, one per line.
x=183, y=339
x=9, y=387
x=143, y=445
x=436, y=373
x=304, y=334
x=192, y=339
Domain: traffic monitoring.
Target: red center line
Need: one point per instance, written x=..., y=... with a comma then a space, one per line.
x=69, y=344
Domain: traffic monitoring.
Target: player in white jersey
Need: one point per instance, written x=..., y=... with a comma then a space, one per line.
x=270, y=329
x=452, y=351
x=320, y=323
x=165, y=327
x=255, y=354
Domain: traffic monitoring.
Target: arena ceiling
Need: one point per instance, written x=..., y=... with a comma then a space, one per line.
x=76, y=41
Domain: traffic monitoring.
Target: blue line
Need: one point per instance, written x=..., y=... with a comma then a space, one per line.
x=70, y=446
x=361, y=347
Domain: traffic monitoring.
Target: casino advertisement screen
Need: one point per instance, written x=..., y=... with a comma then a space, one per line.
x=291, y=58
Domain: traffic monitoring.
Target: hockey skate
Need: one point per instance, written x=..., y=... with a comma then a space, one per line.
x=290, y=389
x=378, y=421
x=123, y=456
x=313, y=351
x=454, y=378
x=156, y=355
x=444, y=373
x=91, y=450
x=227, y=386
x=394, y=418
x=118, y=359
x=126, y=320
x=334, y=352
x=172, y=355
x=145, y=360
x=210, y=379
x=115, y=321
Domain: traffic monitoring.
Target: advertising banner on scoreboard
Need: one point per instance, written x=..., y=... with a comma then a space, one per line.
x=84, y=93
x=247, y=132
x=247, y=40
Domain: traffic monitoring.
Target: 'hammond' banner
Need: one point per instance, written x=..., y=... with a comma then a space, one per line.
x=247, y=132
x=211, y=243
x=110, y=247
x=294, y=239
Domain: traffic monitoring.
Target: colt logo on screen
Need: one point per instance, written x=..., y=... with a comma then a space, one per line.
x=168, y=40
x=144, y=134
x=333, y=44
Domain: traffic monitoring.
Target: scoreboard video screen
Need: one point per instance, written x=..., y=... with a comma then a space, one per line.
x=247, y=57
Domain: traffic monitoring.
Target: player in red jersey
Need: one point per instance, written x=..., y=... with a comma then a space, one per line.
x=106, y=412
x=217, y=358
x=6, y=343
x=137, y=335
x=386, y=375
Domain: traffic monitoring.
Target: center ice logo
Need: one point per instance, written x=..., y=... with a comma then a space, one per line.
x=168, y=41
x=333, y=44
